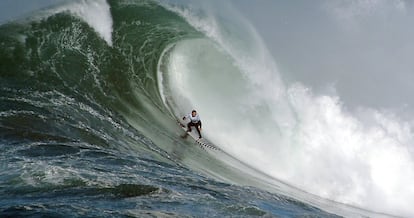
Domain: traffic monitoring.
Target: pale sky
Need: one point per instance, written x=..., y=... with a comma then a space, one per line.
x=361, y=48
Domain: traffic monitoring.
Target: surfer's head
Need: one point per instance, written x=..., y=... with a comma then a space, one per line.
x=193, y=113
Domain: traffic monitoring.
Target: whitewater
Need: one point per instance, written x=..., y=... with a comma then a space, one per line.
x=91, y=91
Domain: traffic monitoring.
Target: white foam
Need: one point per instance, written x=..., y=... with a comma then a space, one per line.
x=96, y=13
x=309, y=141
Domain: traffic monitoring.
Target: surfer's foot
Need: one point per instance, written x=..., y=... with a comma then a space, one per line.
x=199, y=137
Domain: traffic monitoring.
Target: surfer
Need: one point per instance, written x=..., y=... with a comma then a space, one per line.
x=194, y=121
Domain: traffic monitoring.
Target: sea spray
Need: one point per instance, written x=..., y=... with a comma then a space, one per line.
x=309, y=141
x=95, y=13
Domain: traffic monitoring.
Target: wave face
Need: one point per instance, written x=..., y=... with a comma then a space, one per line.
x=90, y=94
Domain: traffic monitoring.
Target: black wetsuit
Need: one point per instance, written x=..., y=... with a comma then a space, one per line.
x=197, y=126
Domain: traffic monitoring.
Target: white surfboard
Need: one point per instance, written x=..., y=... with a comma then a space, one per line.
x=204, y=143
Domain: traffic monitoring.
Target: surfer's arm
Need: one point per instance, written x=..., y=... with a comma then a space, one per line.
x=186, y=116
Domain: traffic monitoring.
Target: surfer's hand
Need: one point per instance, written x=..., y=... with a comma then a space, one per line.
x=183, y=118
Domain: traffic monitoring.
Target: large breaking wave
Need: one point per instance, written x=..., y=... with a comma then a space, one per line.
x=127, y=76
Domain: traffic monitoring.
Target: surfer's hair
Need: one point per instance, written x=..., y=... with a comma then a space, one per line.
x=193, y=111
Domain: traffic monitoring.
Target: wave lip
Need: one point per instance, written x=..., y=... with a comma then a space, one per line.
x=96, y=14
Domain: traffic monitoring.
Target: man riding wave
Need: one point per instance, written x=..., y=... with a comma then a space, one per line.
x=194, y=121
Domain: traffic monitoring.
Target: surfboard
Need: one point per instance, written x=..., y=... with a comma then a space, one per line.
x=204, y=143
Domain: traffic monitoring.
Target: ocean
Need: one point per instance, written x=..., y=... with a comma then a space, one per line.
x=90, y=96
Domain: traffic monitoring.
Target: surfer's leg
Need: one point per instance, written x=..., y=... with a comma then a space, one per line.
x=189, y=127
x=197, y=125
